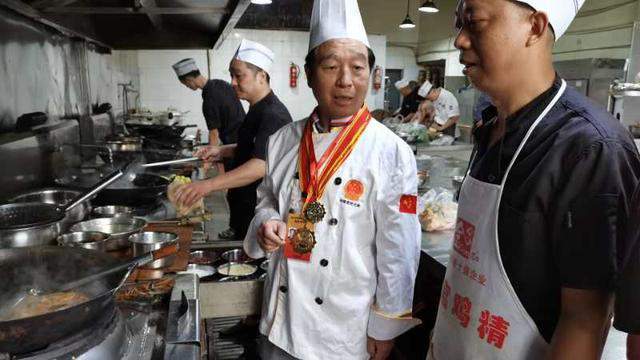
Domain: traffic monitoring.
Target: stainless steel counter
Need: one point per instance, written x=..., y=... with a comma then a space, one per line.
x=443, y=163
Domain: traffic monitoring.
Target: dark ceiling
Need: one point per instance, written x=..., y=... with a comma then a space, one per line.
x=138, y=24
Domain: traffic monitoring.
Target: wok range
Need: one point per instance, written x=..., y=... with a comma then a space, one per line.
x=26, y=268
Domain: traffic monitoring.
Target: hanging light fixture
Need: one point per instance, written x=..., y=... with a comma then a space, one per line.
x=261, y=2
x=429, y=6
x=407, y=23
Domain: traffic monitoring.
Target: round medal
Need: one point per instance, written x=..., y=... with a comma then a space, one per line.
x=314, y=212
x=304, y=241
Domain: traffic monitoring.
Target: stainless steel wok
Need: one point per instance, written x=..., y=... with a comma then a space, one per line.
x=33, y=267
x=32, y=223
x=59, y=197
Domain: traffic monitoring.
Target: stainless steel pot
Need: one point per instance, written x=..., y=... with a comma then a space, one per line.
x=58, y=197
x=235, y=255
x=92, y=240
x=228, y=269
x=148, y=241
x=118, y=227
x=111, y=211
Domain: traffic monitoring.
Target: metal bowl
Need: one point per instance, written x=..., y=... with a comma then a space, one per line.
x=227, y=268
x=148, y=241
x=112, y=210
x=203, y=257
x=200, y=270
x=92, y=240
x=58, y=197
x=119, y=227
x=236, y=256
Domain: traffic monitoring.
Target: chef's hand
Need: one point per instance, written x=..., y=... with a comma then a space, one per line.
x=209, y=154
x=189, y=194
x=379, y=349
x=271, y=235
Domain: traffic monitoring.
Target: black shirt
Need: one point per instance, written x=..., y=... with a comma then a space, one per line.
x=411, y=102
x=564, y=209
x=222, y=110
x=263, y=119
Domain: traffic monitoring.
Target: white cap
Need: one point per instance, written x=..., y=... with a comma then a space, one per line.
x=425, y=88
x=185, y=66
x=560, y=12
x=336, y=19
x=401, y=84
x=256, y=54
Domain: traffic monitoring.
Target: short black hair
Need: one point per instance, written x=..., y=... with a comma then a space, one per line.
x=193, y=74
x=256, y=69
x=310, y=59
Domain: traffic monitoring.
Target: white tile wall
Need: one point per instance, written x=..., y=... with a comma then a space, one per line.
x=403, y=58
x=159, y=87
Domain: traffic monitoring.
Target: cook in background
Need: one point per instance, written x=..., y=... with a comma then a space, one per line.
x=221, y=107
x=222, y=112
x=410, y=98
x=250, y=78
x=533, y=278
x=447, y=108
x=426, y=114
x=342, y=288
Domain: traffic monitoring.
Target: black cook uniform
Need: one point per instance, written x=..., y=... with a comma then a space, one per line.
x=411, y=102
x=222, y=110
x=564, y=211
x=263, y=119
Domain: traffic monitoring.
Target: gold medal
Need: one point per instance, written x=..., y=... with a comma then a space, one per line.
x=304, y=241
x=314, y=212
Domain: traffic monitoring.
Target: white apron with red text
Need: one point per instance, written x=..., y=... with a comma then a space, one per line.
x=479, y=315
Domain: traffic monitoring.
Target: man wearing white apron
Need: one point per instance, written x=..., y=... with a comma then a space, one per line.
x=532, y=268
x=336, y=212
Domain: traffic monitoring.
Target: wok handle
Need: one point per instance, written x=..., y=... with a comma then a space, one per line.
x=165, y=251
x=94, y=190
x=171, y=162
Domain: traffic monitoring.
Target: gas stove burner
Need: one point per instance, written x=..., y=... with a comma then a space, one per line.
x=107, y=339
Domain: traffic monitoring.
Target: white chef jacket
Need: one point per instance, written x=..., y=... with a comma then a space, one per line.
x=446, y=106
x=361, y=275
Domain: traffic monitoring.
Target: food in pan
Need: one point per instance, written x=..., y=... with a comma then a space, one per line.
x=146, y=291
x=236, y=269
x=34, y=305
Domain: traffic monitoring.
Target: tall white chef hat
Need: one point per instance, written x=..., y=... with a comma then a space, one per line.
x=401, y=84
x=425, y=88
x=336, y=19
x=560, y=12
x=256, y=54
x=185, y=66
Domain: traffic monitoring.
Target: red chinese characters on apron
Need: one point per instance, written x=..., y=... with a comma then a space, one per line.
x=480, y=315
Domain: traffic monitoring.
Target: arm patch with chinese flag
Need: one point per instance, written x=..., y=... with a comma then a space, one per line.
x=408, y=204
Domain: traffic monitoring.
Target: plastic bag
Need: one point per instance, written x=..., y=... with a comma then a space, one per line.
x=438, y=210
x=444, y=140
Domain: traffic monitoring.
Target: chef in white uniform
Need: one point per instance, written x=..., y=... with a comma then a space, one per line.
x=344, y=186
x=447, y=108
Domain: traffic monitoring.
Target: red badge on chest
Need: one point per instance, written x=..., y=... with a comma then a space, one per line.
x=408, y=204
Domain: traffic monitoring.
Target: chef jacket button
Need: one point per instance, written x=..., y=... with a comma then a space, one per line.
x=324, y=262
x=337, y=181
x=492, y=178
x=304, y=195
x=333, y=221
x=283, y=289
x=318, y=301
x=296, y=175
x=291, y=211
